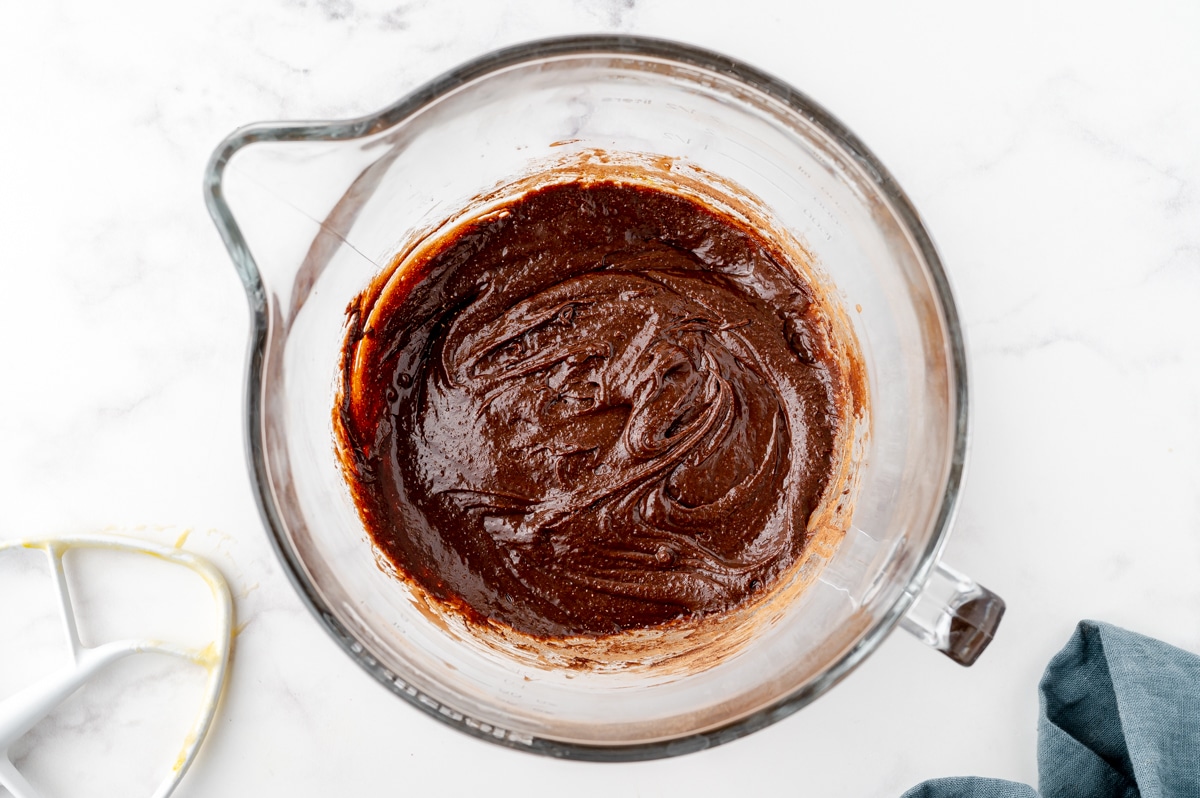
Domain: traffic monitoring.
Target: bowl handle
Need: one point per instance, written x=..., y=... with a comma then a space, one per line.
x=955, y=615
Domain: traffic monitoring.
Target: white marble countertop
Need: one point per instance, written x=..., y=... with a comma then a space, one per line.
x=1052, y=150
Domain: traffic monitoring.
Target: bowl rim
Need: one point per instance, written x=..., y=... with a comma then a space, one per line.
x=430, y=92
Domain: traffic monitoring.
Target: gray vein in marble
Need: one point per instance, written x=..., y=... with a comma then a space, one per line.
x=1139, y=362
x=1005, y=316
x=336, y=9
x=1178, y=202
x=1184, y=260
x=397, y=19
x=617, y=13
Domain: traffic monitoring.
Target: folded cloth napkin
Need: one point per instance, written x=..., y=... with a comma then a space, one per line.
x=1120, y=719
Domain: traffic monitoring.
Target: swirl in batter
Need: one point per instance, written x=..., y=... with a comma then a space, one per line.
x=604, y=407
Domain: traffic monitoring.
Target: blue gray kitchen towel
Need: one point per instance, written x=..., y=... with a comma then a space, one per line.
x=1120, y=719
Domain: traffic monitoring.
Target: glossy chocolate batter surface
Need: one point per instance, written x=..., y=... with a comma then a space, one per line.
x=604, y=407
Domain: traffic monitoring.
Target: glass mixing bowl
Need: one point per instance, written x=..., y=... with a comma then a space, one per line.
x=311, y=212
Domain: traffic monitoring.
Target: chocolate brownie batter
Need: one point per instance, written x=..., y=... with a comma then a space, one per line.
x=602, y=407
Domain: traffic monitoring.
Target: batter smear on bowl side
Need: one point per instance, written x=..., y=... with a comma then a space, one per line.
x=601, y=407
